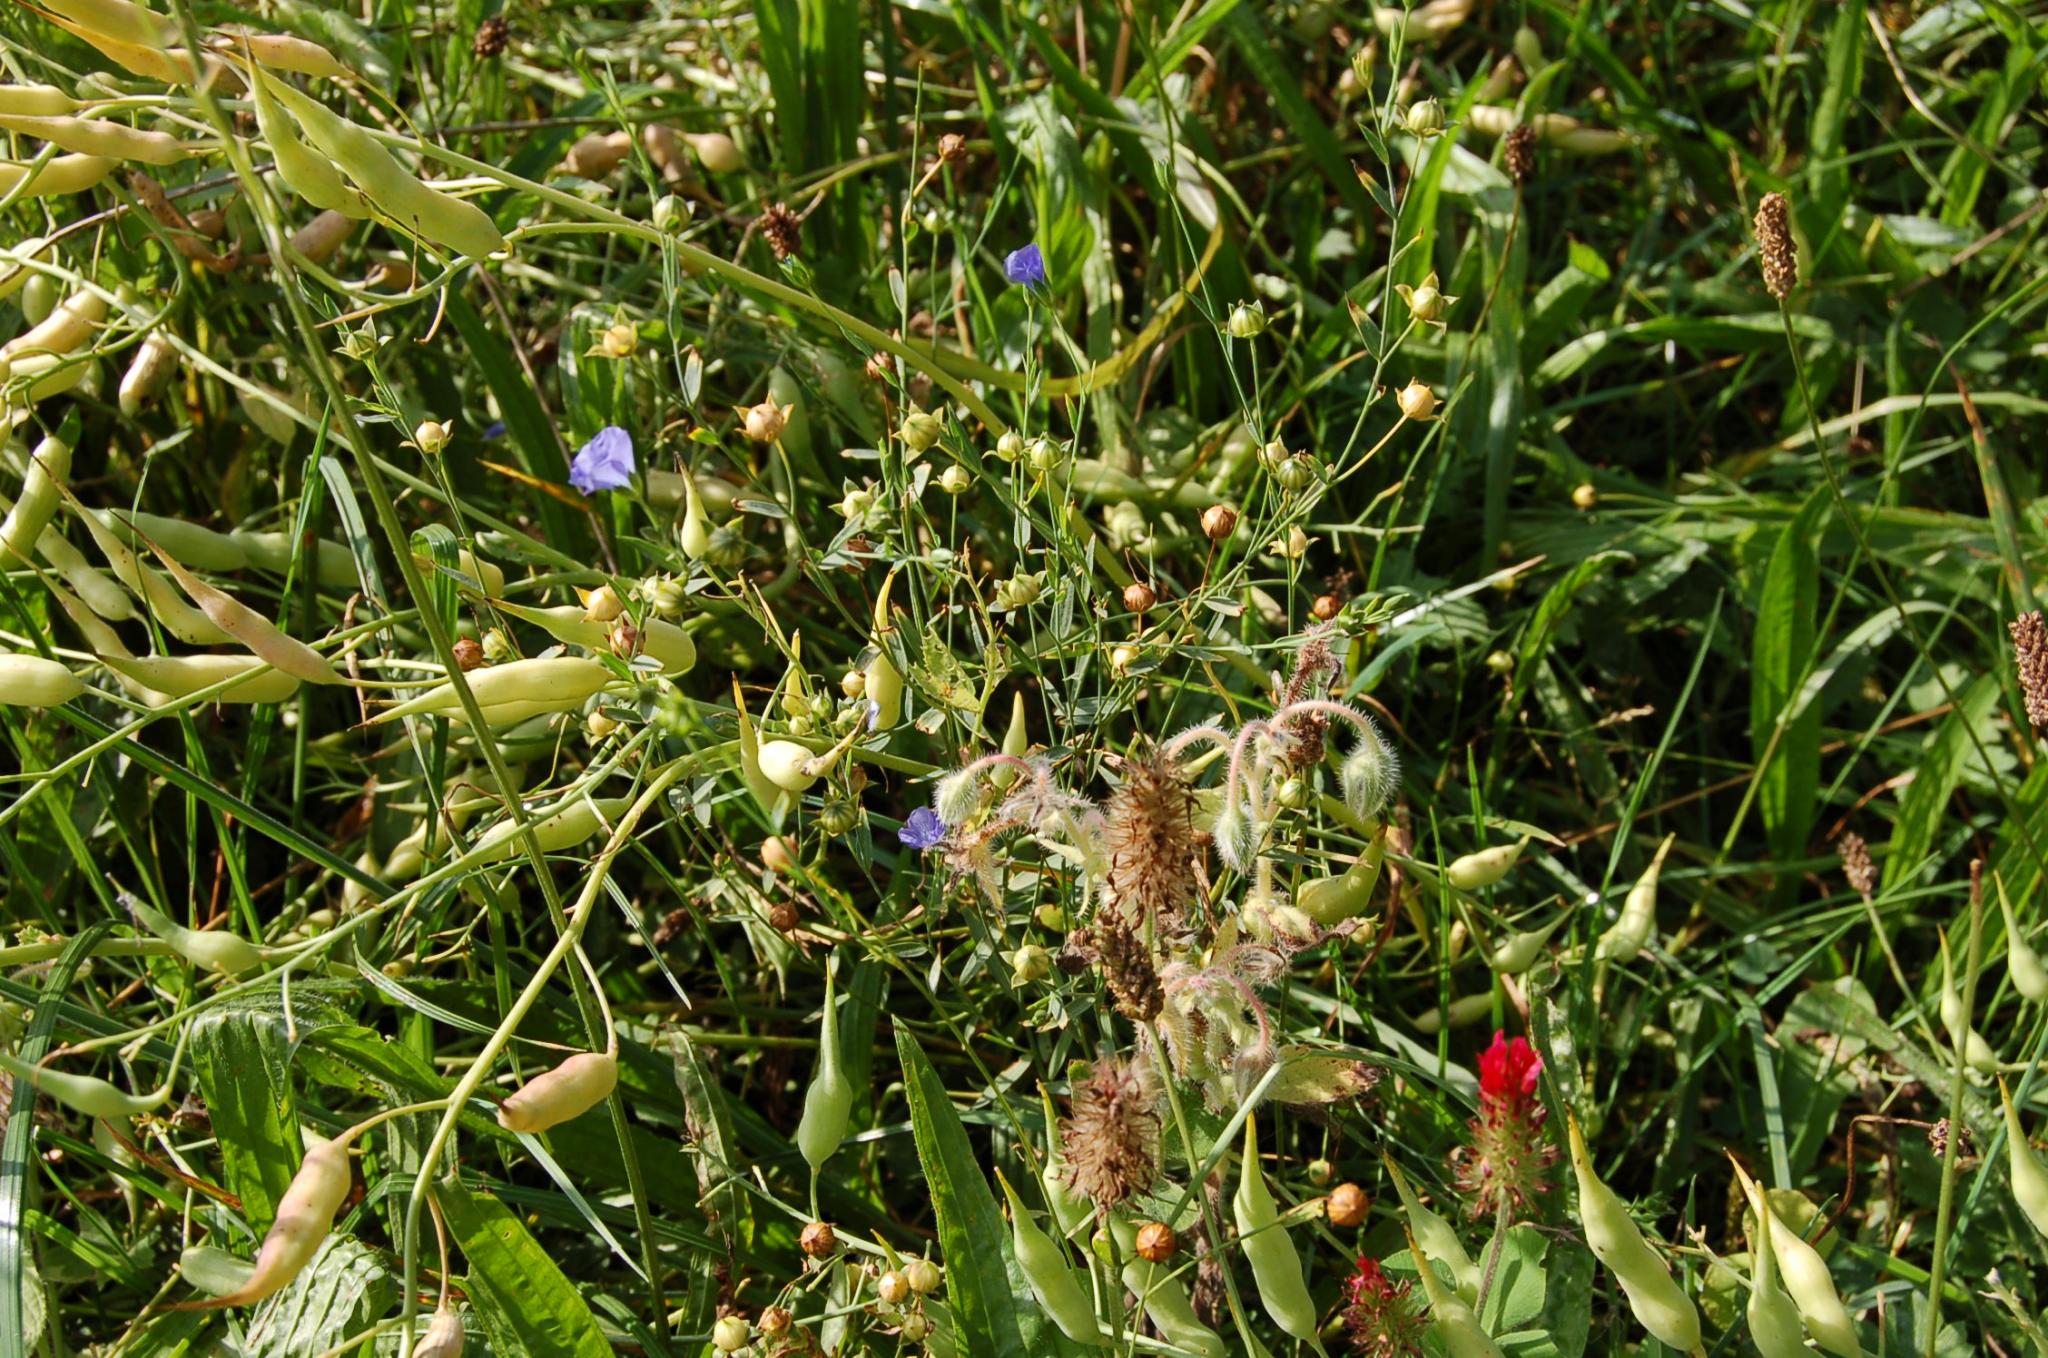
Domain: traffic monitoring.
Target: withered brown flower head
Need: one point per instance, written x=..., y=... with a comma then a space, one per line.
x=1774, y=248
x=1857, y=868
x=1315, y=665
x=492, y=37
x=1520, y=154
x=2030, y=654
x=1128, y=971
x=1150, y=837
x=1110, y=1137
x=779, y=227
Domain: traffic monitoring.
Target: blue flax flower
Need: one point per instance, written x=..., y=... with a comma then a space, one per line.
x=923, y=830
x=1025, y=267
x=604, y=463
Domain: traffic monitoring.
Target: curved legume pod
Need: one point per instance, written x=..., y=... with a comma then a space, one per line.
x=666, y=643
x=1163, y=1298
x=42, y=490
x=165, y=604
x=1052, y=1279
x=333, y=566
x=568, y=1091
x=1276, y=1266
x=424, y=210
x=85, y=1094
x=215, y=949
x=2029, y=1179
x=1329, y=901
x=1977, y=1053
x=470, y=571
x=828, y=1102
x=36, y=101
x=55, y=177
x=304, y=170
x=318, y=239
x=442, y=1338
x=99, y=137
x=32, y=681
x=1449, y=1313
x=122, y=19
x=1630, y=933
x=884, y=683
x=149, y=372
x=772, y=799
x=2022, y=963
x=63, y=330
x=287, y=654
x=162, y=679
x=554, y=683
x=195, y=545
x=282, y=52
x=558, y=830
x=1655, y=1297
x=305, y=1215
x=1436, y=1234
x=1477, y=871
x=172, y=65
x=1806, y=1278
x=1774, y=1324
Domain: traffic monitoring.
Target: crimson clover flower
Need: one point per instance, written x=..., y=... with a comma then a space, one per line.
x=604, y=463
x=1509, y=1152
x=1025, y=267
x=922, y=830
x=1380, y=1319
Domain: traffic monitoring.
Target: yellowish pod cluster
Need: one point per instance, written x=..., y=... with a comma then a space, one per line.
x=1655, y=1297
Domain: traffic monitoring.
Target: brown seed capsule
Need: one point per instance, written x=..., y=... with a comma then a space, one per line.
x=1520, y=154
x=892, y=1287
x=881, y=366
x=779, y=228
x=1156, y=1242
x=1347, y=1205
x=1774, y=248
x=492, y=37
x=469, y=653
x=774, y=1321
x=818, y=1240
x=783, y=916
x=953, y=148
x=1139, y=596
x=1219, y=522
x=1326, y=607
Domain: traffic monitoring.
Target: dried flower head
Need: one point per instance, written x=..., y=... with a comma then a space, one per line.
x=1149, y=832
x=1110, y=1137
x=2030, y=657
x=1774, y=248
x=779, y=228
x=1127, y=970
x=1509, y=1152
x=1520, y=155
x=1857, y=868
x=493, y=35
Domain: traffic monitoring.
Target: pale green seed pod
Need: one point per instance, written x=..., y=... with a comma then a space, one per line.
x=196, y=547
x=884, y=684
x=214, y=949
x=1466, y=1009
x=1515, y=953
x=664, y=642
x=2029, y=1179
x=555, y=683
x=1655, y=1297
x=41, y=492
x=828, y=1103
x=85, y=1094
x=31, y=681
x=163, y=599
x=1806, y=1279
x=2022, y=963
x=568, y=1091
x=305, y=1215
x=1630, y=933
x=1774, y=1324
x=1052, y=1279
x=160, y=680
x=1449, y=1313
x=57, y=178
x=62, y=331
x=1275, y=1264
x=1329, y=901
x=1436, y=1234
x=98, y=137
x=1977, y=1053
x=1163, y=1298
x=36, y=101
x=556, y=831
x=787, y=764
x=1477, y=871
x=149, y=372
x=442, y=1338
x=331, y=563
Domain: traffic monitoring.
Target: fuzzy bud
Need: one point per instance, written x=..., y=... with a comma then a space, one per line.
x=956, y=797
x=1370, y=774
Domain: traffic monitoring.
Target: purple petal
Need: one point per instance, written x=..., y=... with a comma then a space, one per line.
x=922, y=830
x=604, y=463
x=1025, y=266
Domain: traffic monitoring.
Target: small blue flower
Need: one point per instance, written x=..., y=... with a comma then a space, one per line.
x=1025, y=267
x=922, y=830
x=604, y=463
x=494, y=430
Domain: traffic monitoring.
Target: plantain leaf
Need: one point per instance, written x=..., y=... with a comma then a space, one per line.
x=525, y=1303
x=240, y=1059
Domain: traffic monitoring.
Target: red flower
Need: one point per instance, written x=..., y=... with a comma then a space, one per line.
x=1370, y=1281
x=1508, y=1070
x=1381, y=1320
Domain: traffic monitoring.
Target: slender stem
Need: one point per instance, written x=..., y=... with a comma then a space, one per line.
x=1944, y=1213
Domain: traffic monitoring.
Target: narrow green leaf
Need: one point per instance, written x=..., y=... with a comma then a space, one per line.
x=1786, y=614
x=520, y=1295
x=241, y=1061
